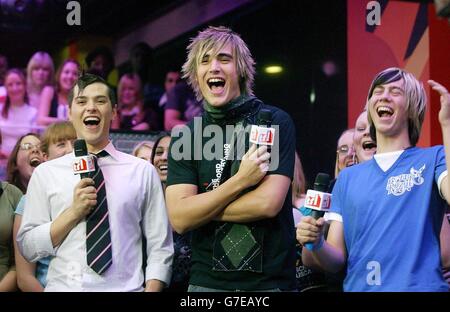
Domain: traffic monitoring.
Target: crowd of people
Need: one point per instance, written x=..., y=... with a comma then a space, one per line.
x=171, y=218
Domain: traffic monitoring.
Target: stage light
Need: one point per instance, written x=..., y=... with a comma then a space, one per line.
x=273, y=69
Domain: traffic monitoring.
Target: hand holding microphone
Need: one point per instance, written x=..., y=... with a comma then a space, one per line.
x=317, y=202
x=84, y=194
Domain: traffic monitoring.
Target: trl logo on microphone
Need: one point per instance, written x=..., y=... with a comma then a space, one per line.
x=262, y=135
x=318, y=200
x=83, y=164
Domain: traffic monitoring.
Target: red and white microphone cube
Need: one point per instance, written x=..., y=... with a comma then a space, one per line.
x=83, y=164
x=318, y=200
x=262, y=135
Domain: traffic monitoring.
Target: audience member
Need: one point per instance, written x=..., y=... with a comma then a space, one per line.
x=54, y=106
x=142, y=63
x=56, y=142
x=25, y=157
x=345, y=153
x=3, y=70
x=181, y=242
x=143, y=150
x=365, y=147
x=181, y=107
x=17, y=116
x=100, y=62
x=132, y=115
x=9, y=197
x=40, y=73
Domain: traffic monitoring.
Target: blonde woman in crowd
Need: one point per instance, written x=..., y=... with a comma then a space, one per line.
x=143, y=150
x=40, y=71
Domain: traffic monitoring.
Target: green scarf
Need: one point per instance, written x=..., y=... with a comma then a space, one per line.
x=237, y=108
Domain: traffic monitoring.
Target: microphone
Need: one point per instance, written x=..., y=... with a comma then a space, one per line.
x=262, y=133
x=83, y=163
x=317, y=201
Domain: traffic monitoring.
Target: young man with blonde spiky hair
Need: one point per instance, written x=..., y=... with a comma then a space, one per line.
x=387, y=212
x=239, y=210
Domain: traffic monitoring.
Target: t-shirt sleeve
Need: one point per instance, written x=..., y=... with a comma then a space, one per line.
x=337, y=199
x=440, y=171
x=181, y=165
x=283, y=151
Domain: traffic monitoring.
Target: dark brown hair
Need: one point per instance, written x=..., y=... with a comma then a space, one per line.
x=12, y=171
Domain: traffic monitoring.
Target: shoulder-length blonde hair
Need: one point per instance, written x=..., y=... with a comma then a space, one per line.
x=38, y=59
x=211, y=40
x=137, y=82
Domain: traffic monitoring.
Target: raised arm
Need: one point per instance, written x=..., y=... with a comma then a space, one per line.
x=444, y=120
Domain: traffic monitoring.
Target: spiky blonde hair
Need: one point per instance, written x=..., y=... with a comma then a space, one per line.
x=211, y=40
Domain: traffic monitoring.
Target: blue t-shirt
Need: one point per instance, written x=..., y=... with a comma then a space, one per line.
x=41, y=264
x=392, y=222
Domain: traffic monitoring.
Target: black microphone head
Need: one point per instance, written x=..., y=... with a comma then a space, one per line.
x=80, y=148
x=264, y=116
x=322, y=182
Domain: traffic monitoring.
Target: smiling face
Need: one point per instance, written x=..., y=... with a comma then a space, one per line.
x=365, y=147
x=68, y=76
x=29, y=156
x=40, y=75
x=345, y=151
x=60, y=148
x=15, y=87
x=218, y=77
x=91, y=113
x=388, y=110
x=128, y=92
x=160, y=161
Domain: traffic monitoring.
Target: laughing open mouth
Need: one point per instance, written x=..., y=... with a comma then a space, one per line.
x=215, y=83
x=35, y=161
x=91, y=121
x=385, y=111
x=369, y=145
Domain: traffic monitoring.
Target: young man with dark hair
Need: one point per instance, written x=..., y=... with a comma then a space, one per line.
x=93, y=228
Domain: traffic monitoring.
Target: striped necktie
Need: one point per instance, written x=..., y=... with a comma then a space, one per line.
x=98, y=237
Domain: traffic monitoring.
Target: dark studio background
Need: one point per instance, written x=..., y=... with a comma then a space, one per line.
x=299, y=35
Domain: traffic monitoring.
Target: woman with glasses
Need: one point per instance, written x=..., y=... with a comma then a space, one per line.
x=57, y=141
x=25, y=156
x=345, y=154
x=16, y=116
